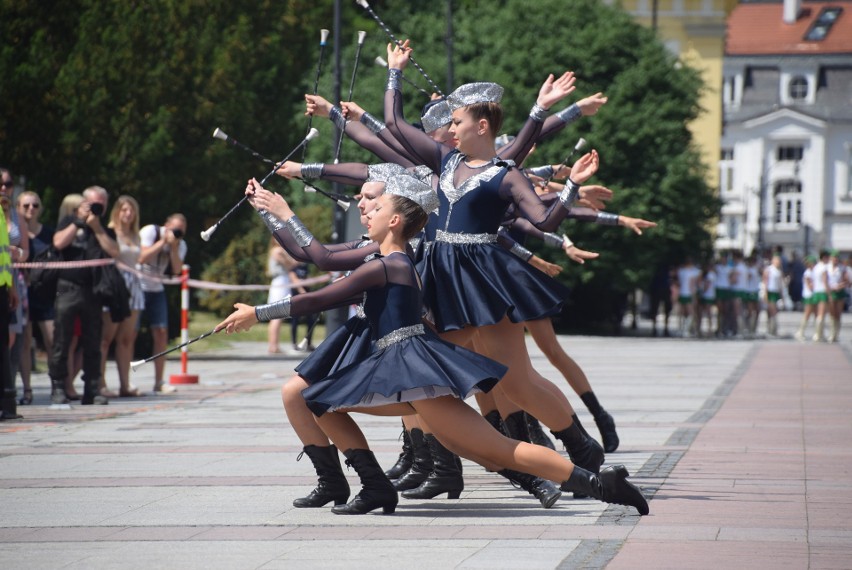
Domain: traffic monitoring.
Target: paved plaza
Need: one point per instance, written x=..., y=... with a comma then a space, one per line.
x=743, y=446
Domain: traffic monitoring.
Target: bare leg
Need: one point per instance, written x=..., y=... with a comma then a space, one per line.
x=108, y=332
x=159, y=336
x=545, y=337
x=301, y=418
x=272, y=334
x=124, y=345
x=343, y=430
x=26, y=361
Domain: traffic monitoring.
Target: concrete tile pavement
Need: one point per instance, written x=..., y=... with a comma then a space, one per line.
x=743, y=444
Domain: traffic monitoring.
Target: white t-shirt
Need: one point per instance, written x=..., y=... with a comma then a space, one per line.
x=723, y=275
x=820, y=271
x=686, y=277
x=753, y=279
x=807, y=276
x=709, y=286
x=149, y=235
x=774, y=279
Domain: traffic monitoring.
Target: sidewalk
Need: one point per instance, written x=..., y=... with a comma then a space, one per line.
x=743, y=445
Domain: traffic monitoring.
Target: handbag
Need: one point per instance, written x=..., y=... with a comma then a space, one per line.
x=109, y=286
x=43, y=280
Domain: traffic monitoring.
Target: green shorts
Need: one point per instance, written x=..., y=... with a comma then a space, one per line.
x=808, y=300
x=773, y=297
x=684, y=299
x=819, y=298
x=708, y=300
x=723, y=294
x=838, y=295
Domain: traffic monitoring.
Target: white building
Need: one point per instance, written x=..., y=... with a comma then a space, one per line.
x=785, y=171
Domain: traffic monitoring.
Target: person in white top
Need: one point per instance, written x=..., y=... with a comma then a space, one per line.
x=739, y=281
x=751, y=295
x=820, y=294
x=124, y=219
x=837, y=284
x=707, y=292
x=163, y=248
x=807, y=296
x=280, y=264
x=724, y=295
x=687, y=280
x=773, y=281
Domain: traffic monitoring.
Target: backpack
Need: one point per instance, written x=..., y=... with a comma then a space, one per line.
x=43, y=280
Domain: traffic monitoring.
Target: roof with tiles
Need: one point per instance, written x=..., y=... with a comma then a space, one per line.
x=758, y=28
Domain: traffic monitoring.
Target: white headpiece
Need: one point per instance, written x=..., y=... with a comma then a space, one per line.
x=471, y=93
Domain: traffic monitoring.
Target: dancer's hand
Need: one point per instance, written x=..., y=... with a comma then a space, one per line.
x=591, y=104
x=290, y=170
x=585, y=167
x=352, y=111
x=635, y=224
x=594, y=196
x=399, y=56
x=316, y=105
x=553, y=90
x=275, y=204
x=545, y=266
x=242, y=319
x=576, y=254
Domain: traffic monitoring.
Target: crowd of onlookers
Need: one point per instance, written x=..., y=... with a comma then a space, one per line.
x=77, y=312
x=725, y=297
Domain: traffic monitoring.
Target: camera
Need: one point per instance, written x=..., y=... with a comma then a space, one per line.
x=97, y=209
x=178, y=233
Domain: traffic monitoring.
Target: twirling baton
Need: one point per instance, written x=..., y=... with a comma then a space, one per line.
x=381, y=62
x=340, y=199
x=361, y=36
x=323, y=38
x=343, y=201
x=205, y=235
x=364, y=4
x=220, y=134
x=137, y=363
x=579, y=146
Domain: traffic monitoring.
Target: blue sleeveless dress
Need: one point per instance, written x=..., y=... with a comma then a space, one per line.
x=408, y=362
x=468, y=279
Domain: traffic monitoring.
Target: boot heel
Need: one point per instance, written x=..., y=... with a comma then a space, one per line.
x=389, y=510
x=453, y=494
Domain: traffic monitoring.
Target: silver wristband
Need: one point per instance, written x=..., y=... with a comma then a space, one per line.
x=552, y=239
x=607, y=219
x=569, y=114
x=521, y=251
x=394, y=80
x=311, y=170
x=271, y=311
x=545, y=171
x=538, y=113
x=372, y=123
x=569, y=194
x=272, y=221
x=299, y=232
x=336, y=117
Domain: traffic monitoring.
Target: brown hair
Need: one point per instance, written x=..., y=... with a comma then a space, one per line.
x=491, y=112
x=414, y=217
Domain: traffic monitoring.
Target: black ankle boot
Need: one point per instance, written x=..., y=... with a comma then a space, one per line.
x=446, y=476
x=332, y=485
x=91, y=395
x=537, y=435
x=546, y=492
x=582, y=449
x=406, y=458
x=376, y=488
x=604, y=421
x=420, y=467
x=493, y=418
x=611, y=486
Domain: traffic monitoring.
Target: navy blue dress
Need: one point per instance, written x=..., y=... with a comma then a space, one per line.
x=408, y=362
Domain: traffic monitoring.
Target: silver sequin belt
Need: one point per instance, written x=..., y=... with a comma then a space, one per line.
x=460, y=238
x=399, y=335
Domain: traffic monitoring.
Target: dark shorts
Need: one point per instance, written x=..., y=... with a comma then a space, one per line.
x=156, y=310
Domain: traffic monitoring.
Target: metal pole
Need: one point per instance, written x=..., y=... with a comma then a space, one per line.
x=451, y=80
x=760, y=200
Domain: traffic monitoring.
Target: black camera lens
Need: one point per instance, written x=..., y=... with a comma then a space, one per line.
x=97, y=209
x=178, y=233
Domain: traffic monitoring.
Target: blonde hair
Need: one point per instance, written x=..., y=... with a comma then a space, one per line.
x=26, y=193
x=69, y=205
x=116, y=211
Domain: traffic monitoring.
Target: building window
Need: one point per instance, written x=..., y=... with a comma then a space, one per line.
x=726, y=171
x=790, y=153
x=788, y=202
x=821, y=27
x=798, y=88
x=733, y=227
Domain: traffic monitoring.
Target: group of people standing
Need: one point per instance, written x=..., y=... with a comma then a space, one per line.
x=445, y=293
x=67, y=304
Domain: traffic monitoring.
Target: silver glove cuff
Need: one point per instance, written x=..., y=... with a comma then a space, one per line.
x=569, y=114
x=336, y=117
x=311, y=170
x=569, y=194
x=607, y=219
x=372, y=123
x=538, y=113
x=272, y=221
x=394, y=80
x=545, y=171
x=521, y=251
x=553, y=239
x=271, y=311
x=299, y=232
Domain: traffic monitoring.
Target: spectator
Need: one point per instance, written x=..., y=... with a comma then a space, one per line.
x=80, y=237
x=8, y=304
x=300, y=273
x=41, y=310
x=68, y=207
x=279, y=266
x=163, y=250
x=124, y=220
x=660, y=291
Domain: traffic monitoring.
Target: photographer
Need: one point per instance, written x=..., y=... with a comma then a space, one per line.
x=163, y=249
x=79, y=237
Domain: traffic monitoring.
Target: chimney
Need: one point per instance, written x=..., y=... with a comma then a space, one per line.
x=791, y=11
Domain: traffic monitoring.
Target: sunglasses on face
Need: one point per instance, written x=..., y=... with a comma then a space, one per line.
x=33, y=206
x=7, y=183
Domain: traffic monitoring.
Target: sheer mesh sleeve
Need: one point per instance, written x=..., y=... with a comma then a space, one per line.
x=579, y=213
x=382, y=145
x=418, y=146
x=519, y=190
x=350, y=173
x=519, y=225
x=518, y=149
x=342, y=292
x=328, y=255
